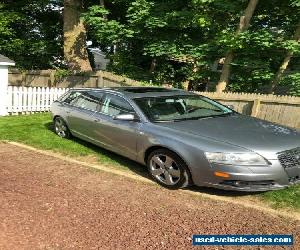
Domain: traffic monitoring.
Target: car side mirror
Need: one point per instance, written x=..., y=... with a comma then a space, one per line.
x=126, y=117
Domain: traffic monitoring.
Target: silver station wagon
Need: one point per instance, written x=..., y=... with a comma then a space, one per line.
x=183, y=138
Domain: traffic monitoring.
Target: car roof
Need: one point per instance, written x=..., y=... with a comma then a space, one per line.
x=139, y=92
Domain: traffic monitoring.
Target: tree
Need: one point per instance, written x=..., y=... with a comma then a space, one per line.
x=31, y=33
x=243, y=25
x=285, y=61
x=174, y=42
x=155, y=40
x=75, y=52
x=102, y=3
x=292, y=47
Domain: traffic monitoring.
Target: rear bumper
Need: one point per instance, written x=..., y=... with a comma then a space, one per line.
x=253, y=179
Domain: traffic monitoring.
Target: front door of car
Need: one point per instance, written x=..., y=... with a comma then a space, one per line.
x=117, y=135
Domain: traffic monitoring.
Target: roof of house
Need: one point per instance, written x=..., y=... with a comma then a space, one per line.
x=6, y=61
x=97, y=51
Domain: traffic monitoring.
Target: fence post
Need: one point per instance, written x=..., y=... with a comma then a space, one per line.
x=255, y=108
x=51, y=82
x=100, y=80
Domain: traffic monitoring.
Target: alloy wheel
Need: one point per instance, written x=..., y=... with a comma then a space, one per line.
x=165, y=169
x=60, y=128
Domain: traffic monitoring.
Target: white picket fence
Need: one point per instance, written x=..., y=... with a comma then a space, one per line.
x=22, y=100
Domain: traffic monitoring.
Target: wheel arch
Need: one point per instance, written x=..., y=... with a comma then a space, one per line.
x=56, y=116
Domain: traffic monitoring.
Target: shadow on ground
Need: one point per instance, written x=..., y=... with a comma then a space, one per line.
x=142, y=170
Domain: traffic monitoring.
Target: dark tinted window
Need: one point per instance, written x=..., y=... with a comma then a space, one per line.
x=114, y=105
x=87, y=100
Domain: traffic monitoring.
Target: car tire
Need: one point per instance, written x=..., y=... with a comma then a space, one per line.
x=61, y=128
x=168, y=169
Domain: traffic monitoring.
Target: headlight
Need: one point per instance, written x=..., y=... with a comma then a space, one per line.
x=249, y=159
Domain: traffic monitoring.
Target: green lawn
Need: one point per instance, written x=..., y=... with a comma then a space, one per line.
x=36, y=130
x=286, y=198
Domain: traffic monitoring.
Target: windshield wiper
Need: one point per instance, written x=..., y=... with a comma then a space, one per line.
x=204, y=117
x=195, y=118
x=220, y=115
x=197, y=108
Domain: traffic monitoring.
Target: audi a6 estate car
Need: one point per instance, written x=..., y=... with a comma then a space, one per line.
x=183, y=138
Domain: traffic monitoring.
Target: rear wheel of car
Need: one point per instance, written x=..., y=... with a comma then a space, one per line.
x=61, y=128
x=168, y=169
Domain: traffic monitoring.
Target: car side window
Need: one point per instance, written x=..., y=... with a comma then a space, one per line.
x=71, y=97
x=87, y=100
x=113, y=105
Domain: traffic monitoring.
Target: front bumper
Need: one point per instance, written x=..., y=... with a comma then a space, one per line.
x=254, y=179
x=249, y=186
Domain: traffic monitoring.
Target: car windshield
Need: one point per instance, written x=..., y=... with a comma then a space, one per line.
x=177, y=108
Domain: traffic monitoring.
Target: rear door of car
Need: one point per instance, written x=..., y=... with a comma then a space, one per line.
x=65, y=106
x=118, y=136
x=80, y=119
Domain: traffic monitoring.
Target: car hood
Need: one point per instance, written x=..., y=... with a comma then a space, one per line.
x=260, y=136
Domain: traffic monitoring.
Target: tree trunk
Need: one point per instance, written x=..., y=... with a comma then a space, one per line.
x=221, y=86
x=75, y=52
x=243, y=25
x=102, y=3
x=285, y=63
x=152, y=65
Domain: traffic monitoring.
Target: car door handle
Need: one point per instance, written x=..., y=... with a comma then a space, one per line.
x=97, y=120
x=68, y=111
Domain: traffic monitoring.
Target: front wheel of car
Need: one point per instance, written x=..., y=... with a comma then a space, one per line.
x=168, y=169
x=61, y=128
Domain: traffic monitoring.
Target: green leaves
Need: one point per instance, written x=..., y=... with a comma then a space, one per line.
x=30, y=32
x=292, y=46
x=292, y=82
x=163, y=41
x=103, y=30
x=203, y=21
x=155, y=22
x=183, y=34
x=295, y=3
x=138, y=11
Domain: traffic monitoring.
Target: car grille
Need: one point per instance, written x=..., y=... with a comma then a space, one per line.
x=290, y=158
